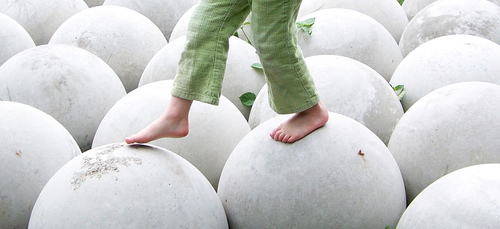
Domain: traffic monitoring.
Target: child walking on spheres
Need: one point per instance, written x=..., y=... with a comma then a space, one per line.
x=203, y=61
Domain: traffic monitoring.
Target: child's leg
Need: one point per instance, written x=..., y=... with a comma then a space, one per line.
x=291, y=88
x=201, y=68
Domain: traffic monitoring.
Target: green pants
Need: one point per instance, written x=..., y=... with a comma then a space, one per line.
x=203, y=62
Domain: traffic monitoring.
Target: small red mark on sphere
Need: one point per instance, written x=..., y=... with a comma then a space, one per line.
x=361, y=153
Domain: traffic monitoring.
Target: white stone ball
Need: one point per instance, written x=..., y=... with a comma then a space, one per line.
x=214, y=130
x=347, y=87
x=13, y=38
x=466, y=198
x=447, y=60
x=351, y=34
x=41, y=17
x=448, y=17
x=123, y=38
x=92, y=3
x=164, y=13
x=180, y=28
x=33, y=147
x=412, y=7
x=339, y=176
x=70, y=84
x=239, y=76
x=128, y=186
x=387, y=12
x=450, y=128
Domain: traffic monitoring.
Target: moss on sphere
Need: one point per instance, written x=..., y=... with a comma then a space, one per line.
x=447, y=17
x=214, y=130
x=351, y=34
x=450, y=128
x=239, y=76
x=70, y=84
x=386, y=12
x=339, y=176
x=123, y=38
x=13, y=38
x=347, y=87
x=465, y=198
x=121, y=186
x=33, y=147
x=41, y=18
x=164, y=13
x=447, y=60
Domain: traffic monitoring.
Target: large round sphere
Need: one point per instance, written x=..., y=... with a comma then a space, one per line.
x=347, y=87
x=446, y=60
x=123, y=38
x=41, y=17
x=447, y=17
x=13, y=38
x=70, y=84
x=164, y=13
x=351, y=34
x=33, y=147
x=339, y=176
x=239, y=77
x=121, y=186
x=448, y=129
x=214, y=130
x=386, y=12
x=467, y=198
x=412, y=7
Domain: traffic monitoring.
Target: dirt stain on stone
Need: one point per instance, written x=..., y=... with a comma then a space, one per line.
x=103, y=163
x=19, y=153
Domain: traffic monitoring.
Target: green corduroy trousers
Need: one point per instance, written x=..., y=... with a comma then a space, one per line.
x=203, y=61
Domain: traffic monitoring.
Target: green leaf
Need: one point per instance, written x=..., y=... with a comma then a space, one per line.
x=400, y=91
x=401, y=2
x=257, y=66
x=248, y=98
x=306, y=25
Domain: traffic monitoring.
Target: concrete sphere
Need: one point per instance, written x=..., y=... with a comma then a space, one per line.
x=68, y=83
x=123, y=38
x=339, y=176
x=347, y=87
x=412, y=7
x=13, y=38
x=466, y=198
x=446, y=60
x=214, y=130
x=351, y=34
x=41, y=17
x=164, y=13
x=387, y=12
x=92, y=3
x=450, y=128
x=180, y=28
x=240, y=76
x=122, y=186
x=447, y=17
x=33, y=147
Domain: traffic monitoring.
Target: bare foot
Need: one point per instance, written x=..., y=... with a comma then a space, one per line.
x=173, y=123
x=301, y=124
